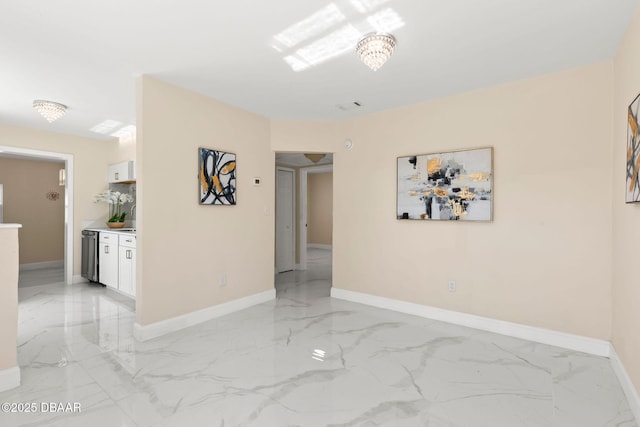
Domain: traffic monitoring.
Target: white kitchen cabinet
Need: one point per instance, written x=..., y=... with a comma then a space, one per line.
x=108, y=259
x=127, y=265
x=122, y=172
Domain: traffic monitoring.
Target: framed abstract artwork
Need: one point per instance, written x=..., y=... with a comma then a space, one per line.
x=633, y=154
x=217, y=176
x=454, y=185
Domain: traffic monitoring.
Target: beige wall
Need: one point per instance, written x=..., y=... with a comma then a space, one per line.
x=309, y=136
x=8, y=296
x=183, y=247
x=91, y=158
x=626, y=217
x=320, y=208
x=26, y=185
x=545, y=261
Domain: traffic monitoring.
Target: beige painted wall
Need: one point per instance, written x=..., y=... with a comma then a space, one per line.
x=320, y=208
x=310, y=136
x=183, y=247
x=8, y=296
x=626, y=217
x=91, y=159
x=26, y=184
x=545, y=261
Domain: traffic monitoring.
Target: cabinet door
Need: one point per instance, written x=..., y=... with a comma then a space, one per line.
x=108, y=264
x=126, y=272
x=133, y=271
x=122, y=172
x=119, y=172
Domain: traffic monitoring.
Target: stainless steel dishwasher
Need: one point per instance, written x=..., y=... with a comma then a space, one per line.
x=89, y=269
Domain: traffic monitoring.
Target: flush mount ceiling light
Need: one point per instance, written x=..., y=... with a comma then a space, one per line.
x=51, y=111
x=314, y=157
x=375, y=49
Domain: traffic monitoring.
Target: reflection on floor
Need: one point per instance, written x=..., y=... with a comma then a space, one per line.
x=41, y=276
x=302, y=360
x=314, y=282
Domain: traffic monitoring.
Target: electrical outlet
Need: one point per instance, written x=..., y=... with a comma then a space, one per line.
x=222, y=280
x=452, y=286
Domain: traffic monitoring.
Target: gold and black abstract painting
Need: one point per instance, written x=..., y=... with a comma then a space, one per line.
x=455, y=185
x=633, y=153
x=217, y=177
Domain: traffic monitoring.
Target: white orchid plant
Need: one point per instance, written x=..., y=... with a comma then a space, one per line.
x=115, y=199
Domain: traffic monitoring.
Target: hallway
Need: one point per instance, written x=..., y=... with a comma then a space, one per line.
x=312, y=283
x=41, y=276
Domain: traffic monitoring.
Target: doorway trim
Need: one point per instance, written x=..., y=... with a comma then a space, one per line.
x=303, y=209
x=68, y=199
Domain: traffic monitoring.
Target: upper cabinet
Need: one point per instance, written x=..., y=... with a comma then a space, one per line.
x=122, y=172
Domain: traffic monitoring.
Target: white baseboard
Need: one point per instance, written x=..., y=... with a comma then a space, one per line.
x=154, y=330
x=40, y=265
x=318, y=246
x=545, y=336
x=625, y=381
x=9, y=378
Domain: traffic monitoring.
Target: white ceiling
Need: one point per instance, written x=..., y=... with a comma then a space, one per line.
x=87, y=54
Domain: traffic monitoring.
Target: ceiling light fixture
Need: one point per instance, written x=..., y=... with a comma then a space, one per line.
x=375, y=49
x=314, y=157
x=51, y=111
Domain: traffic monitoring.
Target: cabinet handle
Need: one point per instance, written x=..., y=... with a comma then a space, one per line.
x=128, y=240
x=129, y=254
x=106, y=249
x=106, y=237
x=117, y=175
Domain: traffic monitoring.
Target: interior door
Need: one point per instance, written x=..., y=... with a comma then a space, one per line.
x=285, y=216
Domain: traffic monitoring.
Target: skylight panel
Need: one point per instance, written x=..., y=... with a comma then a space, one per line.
x=312, y=26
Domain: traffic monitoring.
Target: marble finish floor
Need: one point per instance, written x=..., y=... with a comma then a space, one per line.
x=41, y=276
x=303, y=359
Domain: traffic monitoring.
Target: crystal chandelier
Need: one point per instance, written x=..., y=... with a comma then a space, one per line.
x=374, y=49
x=51, y=111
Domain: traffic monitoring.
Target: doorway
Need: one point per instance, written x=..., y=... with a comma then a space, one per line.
x=305, y=214
x=302, y=168
x=66, y=161
x=311, y=276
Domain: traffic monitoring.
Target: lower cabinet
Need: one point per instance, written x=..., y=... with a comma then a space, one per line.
x=127, y=265
x=117, y=262
x=108, y=259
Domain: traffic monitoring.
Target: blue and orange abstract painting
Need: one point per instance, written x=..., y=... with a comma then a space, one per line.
x=217, y=177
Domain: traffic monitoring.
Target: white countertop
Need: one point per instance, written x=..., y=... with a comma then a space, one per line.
x=126, y=231
x=3, y=225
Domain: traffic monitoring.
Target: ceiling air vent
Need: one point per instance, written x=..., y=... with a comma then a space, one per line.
x=349, y=106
